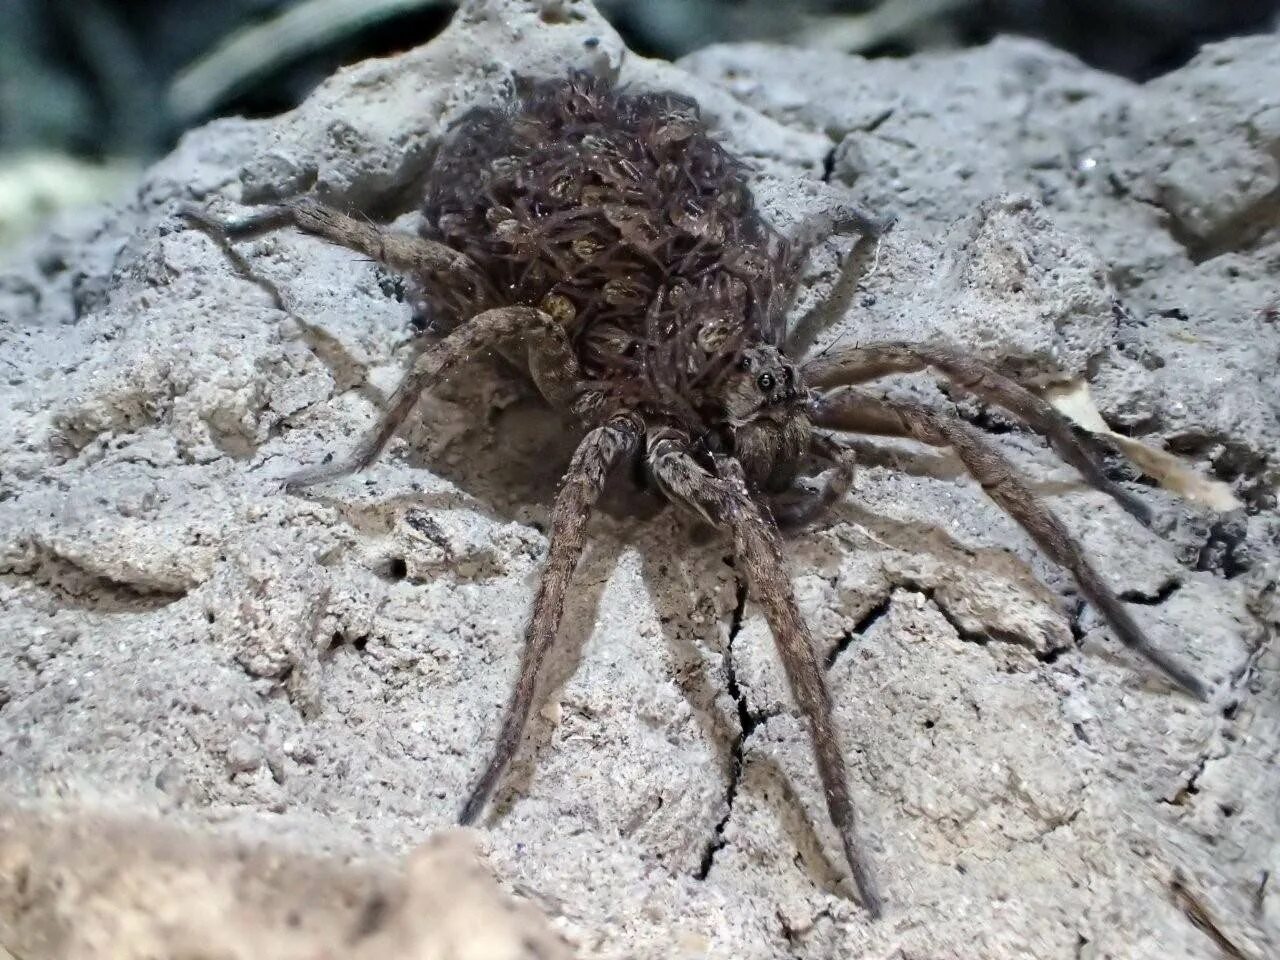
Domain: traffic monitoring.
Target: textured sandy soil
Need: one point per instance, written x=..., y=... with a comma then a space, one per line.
x=179, y=638
x=85, y=887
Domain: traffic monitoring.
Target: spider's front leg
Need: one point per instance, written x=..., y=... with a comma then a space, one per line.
x=1078, y=447
x=725, y=503
x=596, y=455
x=555, y=367
x=855, y=410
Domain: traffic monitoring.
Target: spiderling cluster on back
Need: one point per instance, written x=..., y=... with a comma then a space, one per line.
x=624, y=220
x=607, y=244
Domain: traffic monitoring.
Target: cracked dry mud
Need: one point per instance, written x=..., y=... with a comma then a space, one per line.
x=179, y=638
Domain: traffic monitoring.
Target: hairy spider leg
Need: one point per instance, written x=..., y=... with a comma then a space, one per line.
x=597, y=454
x=413, y=256
x=857, y=411
x=725, y=502
x=402, y=252
x=552, y=360
x=1078, y=447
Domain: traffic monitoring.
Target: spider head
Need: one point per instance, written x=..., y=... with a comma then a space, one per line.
x=762, y=383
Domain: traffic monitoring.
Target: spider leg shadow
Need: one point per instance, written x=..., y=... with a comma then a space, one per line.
x=904, y=458
x=485, y=479
x=1013, y=566
x=837, y=303
x=798, y=825
x=599, y=558
x=671, y=579
x=912, y=537
x=918, y=461
x=347, y=372
x=908, y=536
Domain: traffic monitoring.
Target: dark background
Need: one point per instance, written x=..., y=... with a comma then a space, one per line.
x=88, y=81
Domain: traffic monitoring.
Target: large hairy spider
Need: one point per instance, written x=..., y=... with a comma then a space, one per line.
x=605, y=242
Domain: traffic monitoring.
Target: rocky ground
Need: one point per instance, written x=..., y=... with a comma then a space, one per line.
x=324, y=672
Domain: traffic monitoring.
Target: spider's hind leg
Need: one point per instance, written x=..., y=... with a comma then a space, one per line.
x=401, y=252
x=854, y=410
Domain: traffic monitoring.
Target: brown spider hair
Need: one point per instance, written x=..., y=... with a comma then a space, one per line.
x=618, y=214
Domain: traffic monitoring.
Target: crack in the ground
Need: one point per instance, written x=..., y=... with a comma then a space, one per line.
x=980, y=637
x=746, y=724
x=829, y=163
x=1189, y=786
x=81, y=587
x=1225, y=548
x=1163, y=593
x=837, y=136
x=986, y=419
x=859, y=628
x=1075, y=607
x=748, y=721
x=795, y=937
x=963, y=632
x=1230, y=712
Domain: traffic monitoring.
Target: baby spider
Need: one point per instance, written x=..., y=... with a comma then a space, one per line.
x=608, y=245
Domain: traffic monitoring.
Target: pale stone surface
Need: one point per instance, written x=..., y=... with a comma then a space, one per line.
x=83, y=886
x=180, y=637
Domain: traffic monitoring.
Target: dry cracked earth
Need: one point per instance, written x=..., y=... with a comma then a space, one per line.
x=324, y=673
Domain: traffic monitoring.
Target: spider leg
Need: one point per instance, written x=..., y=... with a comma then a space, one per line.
x=401, y=252
x=725, y=502
x=598, y=452
x=804, y=504
x=853, y=410
x=1076, y=446
x=547, y=345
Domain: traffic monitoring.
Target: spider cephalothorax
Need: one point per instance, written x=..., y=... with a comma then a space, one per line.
x=762, y=405
x=609, y=245
x=762, y=383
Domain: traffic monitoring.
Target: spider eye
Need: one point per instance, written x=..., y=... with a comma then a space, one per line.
x=765, y=381
x=744, y=363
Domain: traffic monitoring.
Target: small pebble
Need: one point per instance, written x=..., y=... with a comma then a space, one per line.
x=243, y=756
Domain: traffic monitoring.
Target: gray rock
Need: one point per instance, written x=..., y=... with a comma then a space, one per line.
x=1027, y=789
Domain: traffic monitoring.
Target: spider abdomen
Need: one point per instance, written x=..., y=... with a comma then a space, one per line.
x=620, y=216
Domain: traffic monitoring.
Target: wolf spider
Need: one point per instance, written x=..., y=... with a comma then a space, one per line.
x=608, y=245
